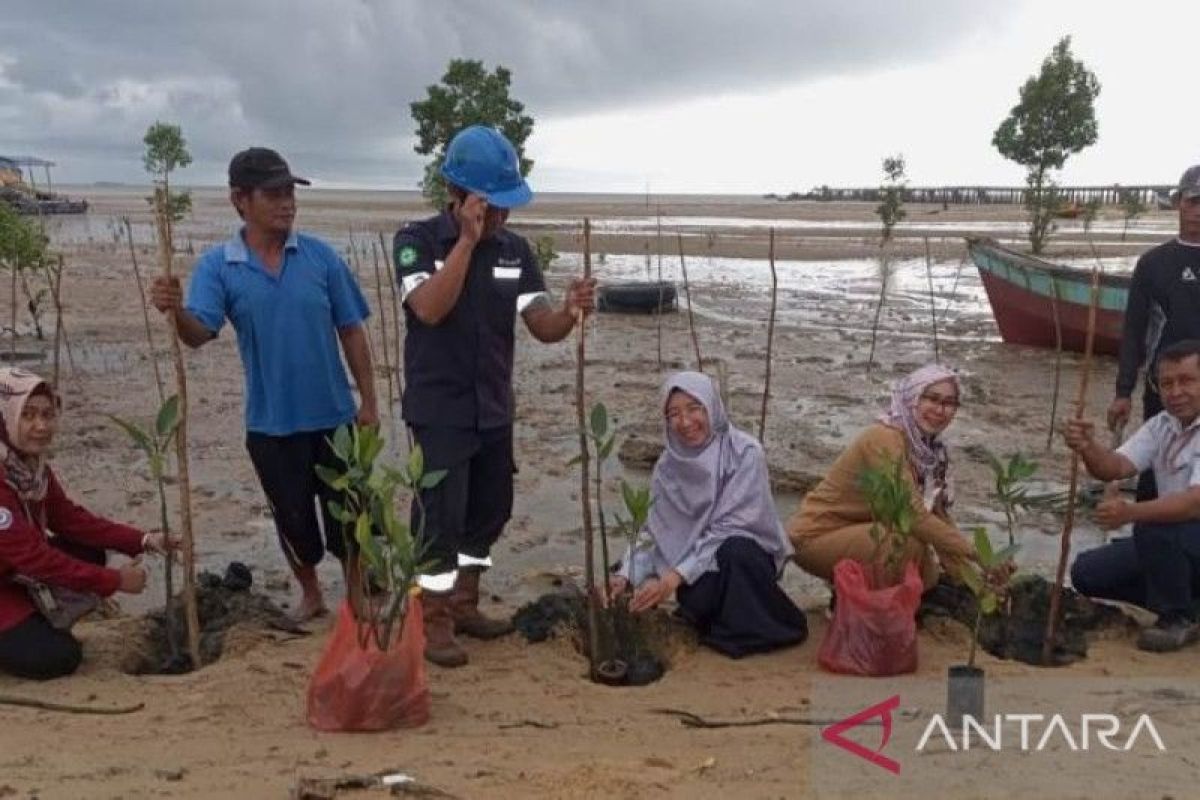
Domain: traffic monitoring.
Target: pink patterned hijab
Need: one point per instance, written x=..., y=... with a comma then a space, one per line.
x=927, y=454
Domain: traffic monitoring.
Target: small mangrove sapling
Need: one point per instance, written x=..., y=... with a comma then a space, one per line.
x=155, y=442
x=1012, y=490
x=889, y=496
x=989, y=582
x=390, y=554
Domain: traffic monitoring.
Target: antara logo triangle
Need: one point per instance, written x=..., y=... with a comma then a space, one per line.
x=833, y=734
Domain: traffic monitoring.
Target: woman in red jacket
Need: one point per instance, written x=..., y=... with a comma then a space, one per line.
x=43, y=577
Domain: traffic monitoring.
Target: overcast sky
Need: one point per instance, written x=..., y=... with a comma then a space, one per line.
x=629, y=95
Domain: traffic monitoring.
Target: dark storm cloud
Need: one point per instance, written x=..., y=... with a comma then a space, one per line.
x=329, y=81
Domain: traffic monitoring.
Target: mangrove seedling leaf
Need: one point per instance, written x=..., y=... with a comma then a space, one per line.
x=168, y=417
x=606, y=448
x=416, y=464
x=599, y=420
x=432, y=479
x=983, y=547
x=575, y=461
x=140, y=437
x=342, y=445
x=328, y=475
x=988, y=603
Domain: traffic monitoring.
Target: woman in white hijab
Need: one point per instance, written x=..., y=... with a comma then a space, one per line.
x=47, y=581
x=713, y=538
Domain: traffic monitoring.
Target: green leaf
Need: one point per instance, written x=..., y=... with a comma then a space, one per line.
x=432, y=479
x=140, y=437
x=599, y=420
x=576, y=460
x=342, y=445
x=328, y=475
x=1006, y=554
x=416, y=464
x=606, y=448
x=168, y=417
x=972, y=580
x=983, y=546
x=339, y=512
x=988, y=603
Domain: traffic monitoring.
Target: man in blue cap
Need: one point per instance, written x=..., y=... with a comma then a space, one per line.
x=465, y=278
x=291, y=300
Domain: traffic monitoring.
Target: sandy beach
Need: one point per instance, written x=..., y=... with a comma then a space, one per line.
x=522, y=720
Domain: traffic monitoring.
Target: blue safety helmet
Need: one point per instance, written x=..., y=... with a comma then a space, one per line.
x=480, y=160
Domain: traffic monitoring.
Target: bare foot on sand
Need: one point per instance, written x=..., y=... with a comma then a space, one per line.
x=310, y=608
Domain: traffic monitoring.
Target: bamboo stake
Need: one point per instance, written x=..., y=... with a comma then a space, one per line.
x=885, y=266
x=937, y=357
x=137, y=276
x=55, y=280
x=691, y=319
x=166, y=256
x=658, y=313
x=1058, y=352
x=12, y=346
x=589, y=563
x=399, y=349
x=1068, y=523
x=762, y=420
x=383, y=331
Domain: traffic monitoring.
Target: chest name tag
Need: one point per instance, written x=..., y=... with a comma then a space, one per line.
x=506, y=273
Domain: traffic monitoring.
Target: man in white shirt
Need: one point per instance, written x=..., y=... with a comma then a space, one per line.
x=1158, y=567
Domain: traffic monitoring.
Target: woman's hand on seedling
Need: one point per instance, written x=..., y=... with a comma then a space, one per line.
x=616, y=585
x=158, y=543
x=133, y=577
x=655, y=591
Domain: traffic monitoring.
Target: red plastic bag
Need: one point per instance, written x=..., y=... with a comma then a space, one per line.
x=357, y=689
x=874, y=631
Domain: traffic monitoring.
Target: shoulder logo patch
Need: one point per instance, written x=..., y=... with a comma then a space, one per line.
x=407, y=256
x=1189, y=275
x=6, y=519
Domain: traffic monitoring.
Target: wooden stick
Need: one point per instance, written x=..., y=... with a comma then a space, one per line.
x=399, y=349
x=191, y=613
x=1073, y=485
x=589, y=559
x=69, y=708
x=762, y=419
x=885, y=267
x=55, y=280
x=383, y=330
x=937, y=357
x=12, y=347
x=690, y=720
x=1058, y=352
x=691, y=319
x=658, y=313
x=137, y=276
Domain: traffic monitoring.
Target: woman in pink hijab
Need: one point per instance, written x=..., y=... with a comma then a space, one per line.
x=52, y=552
x=834, y=522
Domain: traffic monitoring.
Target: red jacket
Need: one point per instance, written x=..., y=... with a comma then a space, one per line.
x=25, y=549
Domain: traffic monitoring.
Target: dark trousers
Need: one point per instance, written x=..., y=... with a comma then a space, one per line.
x=740, y=609
x=1158, y=568
x=1147, y=488
x=286, y=467
x=35, y=649
x=467, y=511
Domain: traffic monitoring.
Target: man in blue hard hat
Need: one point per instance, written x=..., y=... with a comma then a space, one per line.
x=464, y=279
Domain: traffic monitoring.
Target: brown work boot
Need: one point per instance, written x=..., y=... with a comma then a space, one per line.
x=468, y=619
x=441, y=647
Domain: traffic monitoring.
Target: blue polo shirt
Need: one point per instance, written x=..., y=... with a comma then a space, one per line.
x=286, y=326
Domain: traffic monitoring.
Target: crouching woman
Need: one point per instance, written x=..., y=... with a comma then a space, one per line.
x=52, y=552
x=713, y=538
x=834, y=521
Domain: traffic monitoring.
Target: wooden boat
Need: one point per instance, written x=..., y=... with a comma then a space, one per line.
x=1022, y=291
x=636, y=298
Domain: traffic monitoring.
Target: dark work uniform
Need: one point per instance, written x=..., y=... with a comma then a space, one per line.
x=458, y=396
x=1163, y=308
